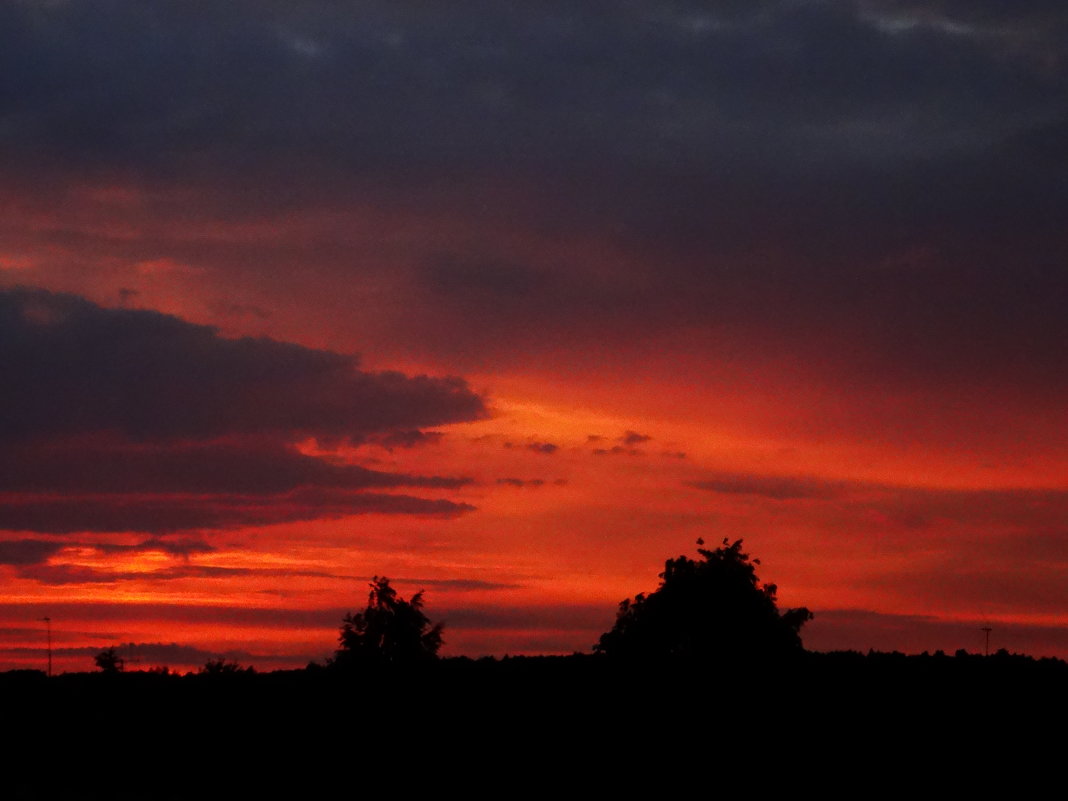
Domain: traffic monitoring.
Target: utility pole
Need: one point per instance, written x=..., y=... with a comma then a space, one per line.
x=48, y=628
x=986, y=630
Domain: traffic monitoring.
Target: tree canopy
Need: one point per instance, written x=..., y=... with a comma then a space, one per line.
x=709, y=609
x=390, y=631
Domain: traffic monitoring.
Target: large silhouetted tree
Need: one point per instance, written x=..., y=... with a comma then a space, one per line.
x=390, y=631
x=709, y=609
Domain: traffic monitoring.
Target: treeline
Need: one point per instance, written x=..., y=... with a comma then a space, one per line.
x=501, y=692
x=579, y=667
x=464, y=688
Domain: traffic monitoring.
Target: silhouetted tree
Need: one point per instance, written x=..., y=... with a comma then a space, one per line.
x=712, y=609
x=109, y=661
x=390, y=631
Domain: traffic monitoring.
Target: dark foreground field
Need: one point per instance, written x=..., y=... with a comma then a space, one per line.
x=532, y=726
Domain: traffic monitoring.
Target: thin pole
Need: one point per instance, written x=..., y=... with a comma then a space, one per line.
x=986, y=630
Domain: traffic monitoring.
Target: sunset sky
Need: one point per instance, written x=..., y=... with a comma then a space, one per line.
x=512, y=301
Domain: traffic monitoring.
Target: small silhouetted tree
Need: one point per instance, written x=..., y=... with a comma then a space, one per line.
x=389, y=632
x=708, y=609
x=109, y=661
x=224, y=667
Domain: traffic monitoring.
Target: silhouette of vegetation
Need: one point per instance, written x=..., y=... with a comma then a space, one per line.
x=711, y=609
x=109, y=661
x=224, y=667
x=269, y=734
x=389, y=632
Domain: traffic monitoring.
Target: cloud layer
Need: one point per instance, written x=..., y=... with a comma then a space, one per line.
x=871, y=190
x=74, y=367
x=120, y=420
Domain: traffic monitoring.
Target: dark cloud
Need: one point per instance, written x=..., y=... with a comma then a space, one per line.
x=406, y=439
x=1034, y=509
x=172, y=653
x=58, y=635
x=533, y=483
x=1006, y=568
x=626, y=448
x=512, y=84
x=557, y=617
x=960, y=551
x=874, y=189
x=78, y=574
x=320, y=618
x=28, y=552
x=103, y=465
x=478, y=281
x=779, y=488
x=543, y=447
x=73, y=367
x=617, y=450
x=522, y=482
x=159, y=515
x=102, y=484
x=913, y=507
x=121, y=420
x=587, y=619
x=184, y=547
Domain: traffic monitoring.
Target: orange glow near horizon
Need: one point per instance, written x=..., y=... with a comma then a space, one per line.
x=520, y=552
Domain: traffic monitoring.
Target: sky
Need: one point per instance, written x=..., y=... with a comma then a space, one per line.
x=510, y=302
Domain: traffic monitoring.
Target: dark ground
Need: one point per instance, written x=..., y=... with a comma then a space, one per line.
x=531, y=726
